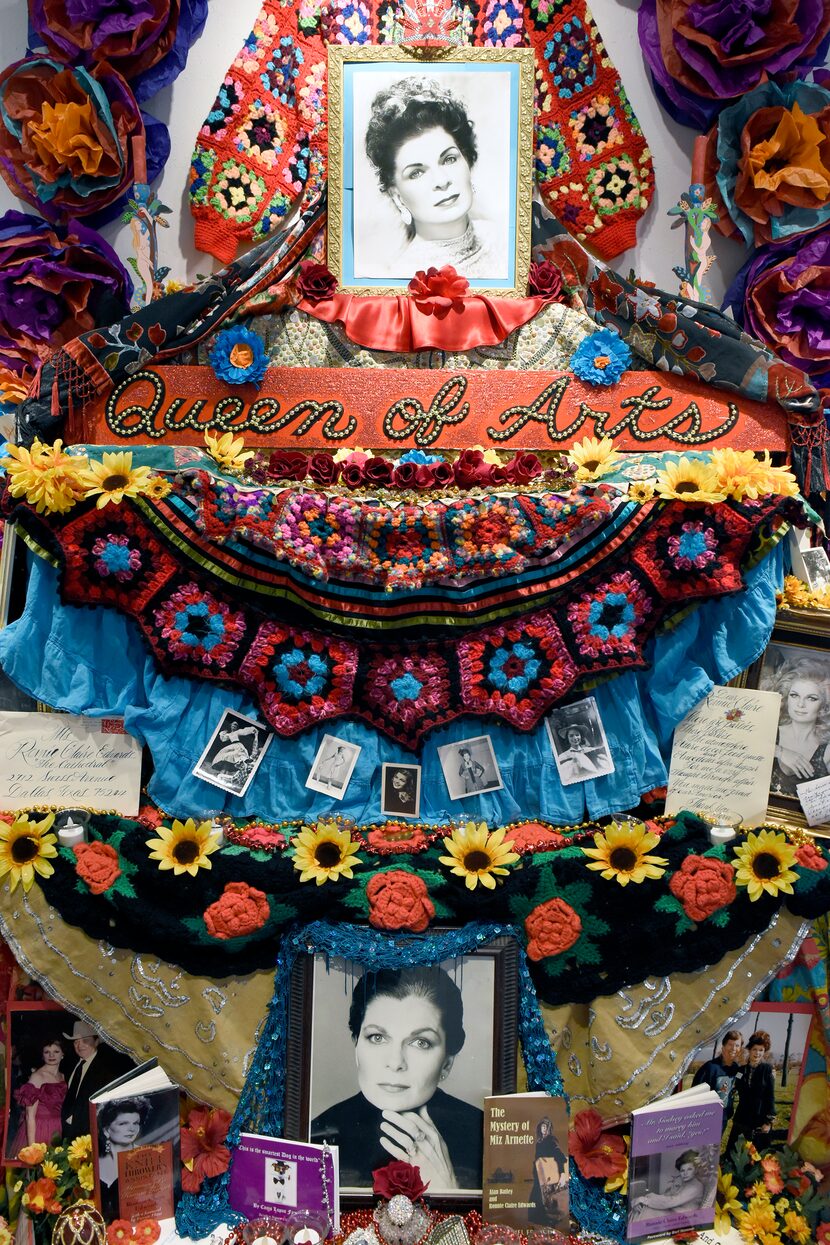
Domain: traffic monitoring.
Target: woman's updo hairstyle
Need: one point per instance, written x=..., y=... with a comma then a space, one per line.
x=429, y=982
x=413, y=106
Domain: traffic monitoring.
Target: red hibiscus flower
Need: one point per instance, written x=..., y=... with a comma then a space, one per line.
x=595, y=1152
x=438, y=291
x=203, y=1142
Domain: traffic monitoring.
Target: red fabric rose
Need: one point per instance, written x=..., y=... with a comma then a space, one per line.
x=470, y=469
x=399, y=900
x=809, y=857
x=703, y=885
x=315, y=282
x=552, y=928
x=323, y=469
x=397, y=1177
x=442, y=474
x=523, y=468
x=352, y=474
x=379, y=472
x=596, y=1153
x=97, y=865
x=287, y=465
x=240, y=909
x=424, y=475
x=438, y=291
x=545, y=279
x=405, y=475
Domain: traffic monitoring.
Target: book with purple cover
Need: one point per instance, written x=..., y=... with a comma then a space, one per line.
x=274, y=1177
x=675, y=1148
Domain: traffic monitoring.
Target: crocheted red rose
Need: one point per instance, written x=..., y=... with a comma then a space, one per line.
x=809, y=857
x=438, y=291
x=398, y=1178
x=240, y=909
x=533, y=837
x=595, y=1152
x=399, y=900
x=97, y=865
x=552, y=928
x=545, y=279
x=315, y=282
x=703, y=886
x=392, y=838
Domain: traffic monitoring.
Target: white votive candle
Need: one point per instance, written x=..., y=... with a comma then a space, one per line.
x=721, y=834
x=306, y=1236
x=265, y=1240
x=71, y=834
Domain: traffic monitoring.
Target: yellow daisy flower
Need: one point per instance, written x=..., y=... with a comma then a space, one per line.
x=228, y=451
x=689, y=480
x=593, y=458
x=764, y=862
x=641, y=491
x=26, y=849
x=115, y=478
x=86, y=1179
x=727, y=1204
x=45, y=475
x=79, y=1151
x=758, y=1217
x=476, y=855
x=185, y=847
x=6, y=1237
x=796, y=1227
x=324, y=852
x=157, y=488
x=51, y=1170
x=621, y=853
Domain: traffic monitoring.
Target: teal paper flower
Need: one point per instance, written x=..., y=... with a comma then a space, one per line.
x=238, y=357
x=601, y=358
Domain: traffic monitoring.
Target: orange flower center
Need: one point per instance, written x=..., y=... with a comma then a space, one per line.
x=65, y=133
x=242, y=355
x=476, y=860
x=602, y=361
x=24, y=849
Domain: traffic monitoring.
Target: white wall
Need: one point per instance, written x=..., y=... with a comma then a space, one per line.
x=184, y=105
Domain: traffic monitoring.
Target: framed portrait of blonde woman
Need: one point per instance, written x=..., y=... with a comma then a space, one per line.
x=430, y=165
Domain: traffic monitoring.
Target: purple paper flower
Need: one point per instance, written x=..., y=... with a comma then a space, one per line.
x=132, y=37
x=704, y=54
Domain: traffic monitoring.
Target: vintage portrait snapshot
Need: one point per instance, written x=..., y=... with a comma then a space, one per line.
x=234, y=753
x=470, y=767
x=401, y=790
x=578, y=741
x=332, y=767
x=800, y=673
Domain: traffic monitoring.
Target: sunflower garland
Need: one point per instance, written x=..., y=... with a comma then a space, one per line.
x=593, y=457
x=688, y=479
x=764, y=864
x=325, y=852
x=621, y=852
x=27, y=848
x=114, y=478
x=478, y=855
x=185, y=846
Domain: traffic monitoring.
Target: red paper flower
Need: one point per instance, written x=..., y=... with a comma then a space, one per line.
x=119, y=1232
x=438, y=291
x=323, y=469
x=203, y=1142
x=399, y=900
x=703, y=886
x=595, y=1152
x=97, y=865
x=239, y=910
x=397, y=1177
x=545, y=279
x=471, y=470
x=287, y=465
x=315, y=282
x=552, y=928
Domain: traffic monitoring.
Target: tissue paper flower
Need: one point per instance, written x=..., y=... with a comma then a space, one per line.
x=131, y=37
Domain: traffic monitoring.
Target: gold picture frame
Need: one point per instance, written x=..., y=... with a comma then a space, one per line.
x=364, y=221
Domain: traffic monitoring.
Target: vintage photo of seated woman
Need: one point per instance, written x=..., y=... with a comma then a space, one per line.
x=407, y=1029
x=802, y=750
x=686, y=1191
x=423, y=147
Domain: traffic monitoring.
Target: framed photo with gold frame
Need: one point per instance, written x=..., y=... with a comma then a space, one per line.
x=430, y=164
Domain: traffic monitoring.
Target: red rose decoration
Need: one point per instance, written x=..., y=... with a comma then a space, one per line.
x=809, y=857
x=397, y=1177
x=323, y=469
x=399, y=900
x=552, y=928
x=443, y=474
x=379, y=472
x=97, y=865
x=424, y=475
x=239, y=910
x=315, y=282
x=596, y=1153
x=438, y=291
x=523, y=468
x=287, y=465
x=545, y=280
x=352, y=475
x=471, y=470
x=406, y=474
x=703, y=885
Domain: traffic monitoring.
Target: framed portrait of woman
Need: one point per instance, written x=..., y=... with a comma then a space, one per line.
x=430, y=164
x=395, y=1063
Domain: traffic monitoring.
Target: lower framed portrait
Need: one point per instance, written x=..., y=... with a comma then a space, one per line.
x=395, y=1063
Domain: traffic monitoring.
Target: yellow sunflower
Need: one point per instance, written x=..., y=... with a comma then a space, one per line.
x=115, y=478
x=228, y=451
x=324, y=852
x=727, y=1204
x=80, y=1150
x=49, y=479
x=641, y=491
x=764, y=862
x=157, y=488
x=185, y=847
x=689, y=480
x=759, y=1217
x=476, y=855
x=26, y=849
x=621, y=853
x=593, y=458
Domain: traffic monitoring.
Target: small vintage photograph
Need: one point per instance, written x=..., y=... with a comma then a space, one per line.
x=333, y=766
x=401, y=790
x=577, y=739
x=470, y=767
x=756, y=1068
x=234, y=753
x=682, y=1180
x=817, y=568
x=280, y=1182
x=801, y=674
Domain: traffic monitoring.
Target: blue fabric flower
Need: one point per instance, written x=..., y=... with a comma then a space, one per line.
x=601, y=358
x=230, y=369
x=418, y=456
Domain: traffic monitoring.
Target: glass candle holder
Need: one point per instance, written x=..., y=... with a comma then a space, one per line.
x=264, y=1231
x=307, y=1227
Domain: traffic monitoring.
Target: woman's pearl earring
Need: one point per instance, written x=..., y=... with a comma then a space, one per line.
x=406, y=215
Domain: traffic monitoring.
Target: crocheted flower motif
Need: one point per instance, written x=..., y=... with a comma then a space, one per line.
x=809, y=857
x=601, y=358
x=765, y=864
x=238, y=356
x=695, y=547
x=391, y=839
x=407, y=688
x=438, y=291
x=66, y=135
x=516, y=671
x=97, y=865
x=704, y=886
x=552, y=928
x=301, y=677
x=199, y=628
x=399, y=900
x=316, y=529
x=489, y=533
x=608, y=619
x=621, y=853
x=240, y=909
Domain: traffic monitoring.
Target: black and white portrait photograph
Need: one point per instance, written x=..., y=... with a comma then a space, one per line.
x=433, y=153
x=470, y=767
x=332, y=767
x=817, y=568
x=677, y=1181
x=401, y=790
x=577, y=738
x=234, y=753
x=401, y=1061
x=800, y=673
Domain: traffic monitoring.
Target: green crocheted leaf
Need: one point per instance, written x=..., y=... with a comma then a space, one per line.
x=720, y=918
